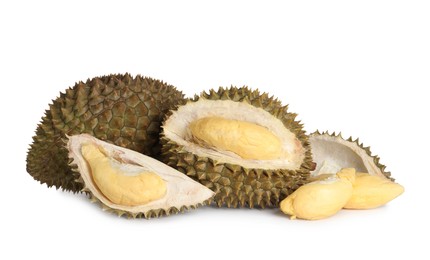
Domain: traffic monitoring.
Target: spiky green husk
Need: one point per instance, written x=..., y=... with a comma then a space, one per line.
x=359, y=145
x=149, y=214
x=234, y=185
x=121, y=109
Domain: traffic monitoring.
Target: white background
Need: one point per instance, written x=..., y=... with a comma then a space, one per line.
x=360, y=67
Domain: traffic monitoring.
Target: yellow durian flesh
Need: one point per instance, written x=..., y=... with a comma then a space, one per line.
x=320, y=199
x=122, y=186
x=248, y=140
x=371, y=191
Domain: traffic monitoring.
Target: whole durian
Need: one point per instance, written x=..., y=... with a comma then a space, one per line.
x=243, y=145
x=124, y=110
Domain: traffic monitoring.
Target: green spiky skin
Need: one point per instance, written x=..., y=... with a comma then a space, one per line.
x=156, y=213
x=375, y=158
x=120, y=109
x=234, y=185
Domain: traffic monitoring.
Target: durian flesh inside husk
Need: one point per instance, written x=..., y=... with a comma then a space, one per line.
x=174, y=191
x=122, y=183
x=178, y=129
x=238, y=180
x=124, y=110
x=331, y=153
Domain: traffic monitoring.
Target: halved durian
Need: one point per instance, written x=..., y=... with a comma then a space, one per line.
x=243, y=145
x=331, y=153
x=131, y=183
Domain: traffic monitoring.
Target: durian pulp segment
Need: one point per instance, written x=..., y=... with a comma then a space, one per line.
x=372, y=191
x=320, y=199
x=128, y=186
x=247, y=140
x=290, y=156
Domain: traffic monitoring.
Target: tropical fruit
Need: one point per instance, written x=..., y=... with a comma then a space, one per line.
x=240, y=143
x=123, y=110
x=130, y=183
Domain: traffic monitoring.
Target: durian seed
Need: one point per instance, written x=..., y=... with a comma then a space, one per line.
x=123, y=186
x=320, y=199
x=371, y=191
x=248, y=140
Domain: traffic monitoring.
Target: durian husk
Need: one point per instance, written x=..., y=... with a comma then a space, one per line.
x=344, y=153
x=183, y=193
x=124, y=110
x=235, y=185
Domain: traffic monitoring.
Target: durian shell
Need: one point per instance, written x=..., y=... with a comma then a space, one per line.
x=367, y=163
x=182, y=193
x=124, y=110
x=234, y=185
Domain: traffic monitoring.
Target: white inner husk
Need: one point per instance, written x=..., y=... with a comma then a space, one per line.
x=176, y=129
x=332, y=153
x=181, y=190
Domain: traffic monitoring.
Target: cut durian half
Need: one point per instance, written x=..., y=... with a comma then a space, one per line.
x=331, y=153
x=243, y=145
x=110, y=174
x=177, y=129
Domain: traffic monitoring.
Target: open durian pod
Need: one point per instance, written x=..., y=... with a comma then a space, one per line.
x=331, y=153
x=346, y=176
x=130, y=183
x=243, y=145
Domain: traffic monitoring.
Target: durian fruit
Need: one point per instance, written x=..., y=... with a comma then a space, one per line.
x=121, y=109
x=130, y=183
x=331, y=153
x=320, y=199
x=372, y=191
x=243, y=145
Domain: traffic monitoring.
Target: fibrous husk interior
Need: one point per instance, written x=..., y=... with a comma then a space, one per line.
x=332, y=153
